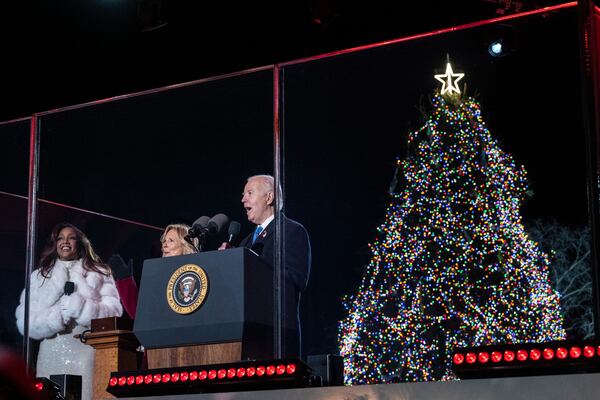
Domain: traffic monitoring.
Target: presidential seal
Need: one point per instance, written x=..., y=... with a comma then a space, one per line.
x=187, y=289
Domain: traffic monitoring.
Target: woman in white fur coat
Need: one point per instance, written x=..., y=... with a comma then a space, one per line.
x=55, y=317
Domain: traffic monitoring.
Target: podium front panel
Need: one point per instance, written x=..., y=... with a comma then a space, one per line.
x=239, y=287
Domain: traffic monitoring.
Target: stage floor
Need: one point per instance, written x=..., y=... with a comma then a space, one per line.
x=559, y=387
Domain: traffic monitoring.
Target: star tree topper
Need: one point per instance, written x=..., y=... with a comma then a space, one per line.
x=449, y=80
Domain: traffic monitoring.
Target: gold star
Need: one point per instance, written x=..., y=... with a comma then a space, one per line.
x=448, y=85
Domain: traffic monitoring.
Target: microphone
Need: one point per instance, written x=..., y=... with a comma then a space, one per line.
x=234, y=230
x=199, y=227
x=69, y=288
x=217, y=223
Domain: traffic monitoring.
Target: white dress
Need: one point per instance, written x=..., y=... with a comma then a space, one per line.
x=55, y=318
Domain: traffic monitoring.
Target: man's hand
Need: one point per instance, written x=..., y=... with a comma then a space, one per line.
x=225, y=246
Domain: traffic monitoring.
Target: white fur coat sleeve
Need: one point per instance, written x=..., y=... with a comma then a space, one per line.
x=95, y=296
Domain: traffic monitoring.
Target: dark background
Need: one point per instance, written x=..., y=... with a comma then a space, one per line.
x=57, y=53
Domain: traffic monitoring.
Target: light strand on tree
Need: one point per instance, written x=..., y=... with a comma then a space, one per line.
x=452, y=265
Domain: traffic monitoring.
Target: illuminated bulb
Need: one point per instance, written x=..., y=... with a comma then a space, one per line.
x=496, y=356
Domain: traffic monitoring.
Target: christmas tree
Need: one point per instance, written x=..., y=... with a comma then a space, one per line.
x=452, y=265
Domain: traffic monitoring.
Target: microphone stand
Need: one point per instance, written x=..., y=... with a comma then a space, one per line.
x=201, y=239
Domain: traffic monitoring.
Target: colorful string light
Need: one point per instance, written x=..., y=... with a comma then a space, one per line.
x=452, y=265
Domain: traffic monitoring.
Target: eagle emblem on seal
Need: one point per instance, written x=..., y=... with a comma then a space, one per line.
x=187, y=289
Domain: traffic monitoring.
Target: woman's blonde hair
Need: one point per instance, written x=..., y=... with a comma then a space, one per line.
x=190, y=245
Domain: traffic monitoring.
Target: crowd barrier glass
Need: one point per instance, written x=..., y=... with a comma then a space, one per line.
x=431, y=227
x=14, y=178
x=433, y=221
x=123, y=169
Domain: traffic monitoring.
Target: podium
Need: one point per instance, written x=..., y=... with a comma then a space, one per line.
x=115, y=350
x=205, y=308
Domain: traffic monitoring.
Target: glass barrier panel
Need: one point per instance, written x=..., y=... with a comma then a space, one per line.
x=58, y=313
x=14, y=178
x=123, y=170
x=437, y=221
x=14, y=156
x=164, y=156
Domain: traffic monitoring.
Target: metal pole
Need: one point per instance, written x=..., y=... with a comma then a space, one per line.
x=34, y=154
x=590, y=86
x=277, y=253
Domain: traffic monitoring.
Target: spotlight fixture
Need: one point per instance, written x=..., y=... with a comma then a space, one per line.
x=496, y=48
x=243, y=375
x=526, y=359
x=501, y=40
x=48, y=389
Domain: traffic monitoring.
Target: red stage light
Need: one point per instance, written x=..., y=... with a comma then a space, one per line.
x=483, y=357
x=522, y=355
x=496, y=356
x=548, y=353
x=589, y=351
x=113, y=382
x=509, y=355
x=458, y=358
x=40, y=386
x=291, y=368
x=526, y=359
x=276, y=373
x=471, y=358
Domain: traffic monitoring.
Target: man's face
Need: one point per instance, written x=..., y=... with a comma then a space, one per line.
x=257, y=200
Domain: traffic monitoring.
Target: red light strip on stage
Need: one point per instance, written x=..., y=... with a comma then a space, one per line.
x=185, y=375
x=548, y=357
x=534, y=354
x=196, y=379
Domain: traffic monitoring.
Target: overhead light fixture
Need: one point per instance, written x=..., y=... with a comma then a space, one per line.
x=501, y=40
x=496, y=48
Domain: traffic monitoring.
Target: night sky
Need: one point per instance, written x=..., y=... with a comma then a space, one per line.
x=58, y=53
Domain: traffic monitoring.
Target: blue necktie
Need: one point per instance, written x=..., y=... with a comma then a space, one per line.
x=257, y=232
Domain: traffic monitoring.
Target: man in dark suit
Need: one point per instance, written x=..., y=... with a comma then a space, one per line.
x=258, y=199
